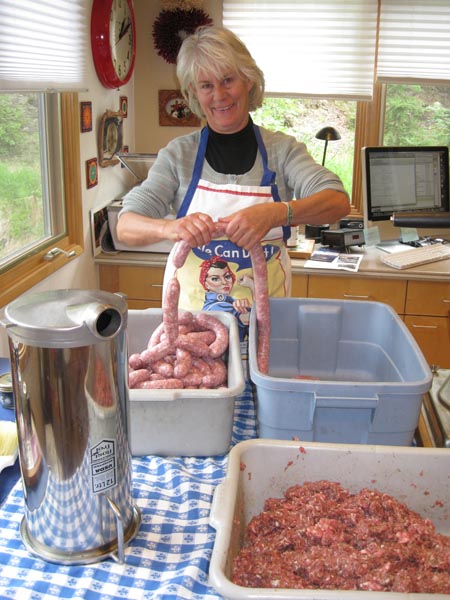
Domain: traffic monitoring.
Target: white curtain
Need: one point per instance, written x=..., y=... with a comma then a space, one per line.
x=414, y=43
x=309, y=48
x=329, y=47
x=43, y=45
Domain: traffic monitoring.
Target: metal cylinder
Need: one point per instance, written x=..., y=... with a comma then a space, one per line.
x=68, y=366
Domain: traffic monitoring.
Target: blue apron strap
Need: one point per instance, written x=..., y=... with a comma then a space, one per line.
x=269, y=177
x=196, y=174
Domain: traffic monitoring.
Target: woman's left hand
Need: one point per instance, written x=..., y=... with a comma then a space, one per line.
x=249, y=226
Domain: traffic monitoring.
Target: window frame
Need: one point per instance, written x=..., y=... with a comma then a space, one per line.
x=369, y=117
x=33, y=269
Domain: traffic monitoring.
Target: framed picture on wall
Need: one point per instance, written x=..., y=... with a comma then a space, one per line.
x=174, y=111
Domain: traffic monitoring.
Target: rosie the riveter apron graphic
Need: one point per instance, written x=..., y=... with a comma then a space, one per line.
x=218, y=276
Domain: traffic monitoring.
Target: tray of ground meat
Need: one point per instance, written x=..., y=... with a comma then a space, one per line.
x=332, y=521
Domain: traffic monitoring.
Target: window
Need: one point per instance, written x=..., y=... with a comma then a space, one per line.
x=24, y=266
x=303, y=118
x=416, y=115
x=31, y=211
x=42, y=66
x=409, y=83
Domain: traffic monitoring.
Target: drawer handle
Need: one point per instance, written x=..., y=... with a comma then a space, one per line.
x=445, y=301
x=355, y=296
x=158, y=285
x=423, y=326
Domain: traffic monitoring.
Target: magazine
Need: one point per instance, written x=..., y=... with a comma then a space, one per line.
x=325, y=258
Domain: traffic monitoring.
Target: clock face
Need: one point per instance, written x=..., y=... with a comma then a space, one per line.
x=121, y=37
x=113, y=40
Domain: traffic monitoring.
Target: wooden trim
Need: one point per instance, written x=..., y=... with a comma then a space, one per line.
x=367, y=133
x=33, y=269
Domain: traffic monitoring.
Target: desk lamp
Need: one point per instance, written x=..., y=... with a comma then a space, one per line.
x=314, y=232
x=328, y=134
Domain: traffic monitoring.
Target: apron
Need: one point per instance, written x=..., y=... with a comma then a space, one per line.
x=218, y=276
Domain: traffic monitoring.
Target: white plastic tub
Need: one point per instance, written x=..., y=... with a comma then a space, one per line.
x=182, y=422
x=261, y=469
x=368, y=373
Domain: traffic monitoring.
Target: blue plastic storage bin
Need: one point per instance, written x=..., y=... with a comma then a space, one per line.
x=368, y=373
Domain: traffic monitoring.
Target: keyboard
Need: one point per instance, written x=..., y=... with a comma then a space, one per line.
x=417, y=256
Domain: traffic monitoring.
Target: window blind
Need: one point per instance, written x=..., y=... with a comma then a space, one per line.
x=309, y=48
x=43, y=45
x=414, y=44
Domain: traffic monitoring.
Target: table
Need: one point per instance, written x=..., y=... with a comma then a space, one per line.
x=10, y=475
x=169, y=557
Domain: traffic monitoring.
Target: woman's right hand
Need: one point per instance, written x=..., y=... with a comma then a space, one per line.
x=136, y=230
x=195, y=229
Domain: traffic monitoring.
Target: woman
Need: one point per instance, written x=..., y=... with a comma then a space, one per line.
x=233, y=184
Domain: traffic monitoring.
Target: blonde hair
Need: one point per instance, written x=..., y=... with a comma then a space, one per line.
x=214, y=50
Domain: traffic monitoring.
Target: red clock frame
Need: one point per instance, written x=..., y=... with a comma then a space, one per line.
x=101, y=50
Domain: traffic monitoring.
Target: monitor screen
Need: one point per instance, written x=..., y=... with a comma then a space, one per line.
x=404, y=179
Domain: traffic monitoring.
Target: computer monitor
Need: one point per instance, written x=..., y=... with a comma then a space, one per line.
x=404, y=179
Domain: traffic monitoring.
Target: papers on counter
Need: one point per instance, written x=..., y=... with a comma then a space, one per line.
x=325, y=258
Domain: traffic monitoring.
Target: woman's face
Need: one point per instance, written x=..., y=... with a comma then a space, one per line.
x=219, y=280
x=224, y=101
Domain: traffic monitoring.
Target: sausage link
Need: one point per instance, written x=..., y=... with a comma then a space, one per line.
x=196, y=348
x=262, y=306
x=218, y=374
x=163, y=367
x=138, y=376
x=201, y=365
x=220, y=344
x=162, y=384
x=150, y=355
x=155, y=337
x=135, y=362
x=180, y=253
x=170, y=310
x=183, y=363
x=192, y=380
x=185, y=317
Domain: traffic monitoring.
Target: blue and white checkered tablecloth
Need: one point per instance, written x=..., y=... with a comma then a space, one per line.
x=169, y=557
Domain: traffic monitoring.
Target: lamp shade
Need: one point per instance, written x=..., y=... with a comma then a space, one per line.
x=328, y=134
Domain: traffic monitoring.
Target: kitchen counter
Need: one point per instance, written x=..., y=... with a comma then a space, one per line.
x=371, y=265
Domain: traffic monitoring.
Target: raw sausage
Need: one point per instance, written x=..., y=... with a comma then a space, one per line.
x=170, y=310
x=180, y=252
x=262, y=307
x=220, y=344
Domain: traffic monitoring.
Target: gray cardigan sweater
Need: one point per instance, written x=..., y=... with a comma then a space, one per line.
x=297, y=174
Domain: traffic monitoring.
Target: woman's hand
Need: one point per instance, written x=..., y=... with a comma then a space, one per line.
x=249, y=226
x=195, y=229
x=136, y=230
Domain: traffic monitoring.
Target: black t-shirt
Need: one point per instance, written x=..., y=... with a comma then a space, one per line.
x=232, y=153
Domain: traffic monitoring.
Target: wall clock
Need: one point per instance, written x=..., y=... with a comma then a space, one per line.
x=113, y=41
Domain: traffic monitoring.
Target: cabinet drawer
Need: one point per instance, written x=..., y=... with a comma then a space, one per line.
x=140, y=283
x=433, y=336
x=299, y=286
x=428, y=298
x=353, y=288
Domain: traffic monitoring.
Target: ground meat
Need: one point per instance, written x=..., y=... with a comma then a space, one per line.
x=320, y=536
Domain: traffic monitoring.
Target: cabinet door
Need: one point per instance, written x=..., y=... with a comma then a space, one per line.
x=299, y=286
x=433, y=336
x=390, y=291
x=137, y=283
x=428, y=298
